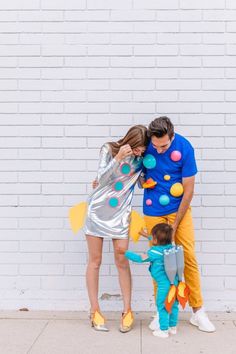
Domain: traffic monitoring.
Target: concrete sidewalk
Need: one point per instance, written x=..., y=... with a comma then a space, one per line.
x=42, y=332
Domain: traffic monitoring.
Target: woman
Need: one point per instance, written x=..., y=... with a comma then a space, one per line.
x=109, y=208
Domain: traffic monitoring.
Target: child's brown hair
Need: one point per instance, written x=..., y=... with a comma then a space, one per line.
x=162, y=234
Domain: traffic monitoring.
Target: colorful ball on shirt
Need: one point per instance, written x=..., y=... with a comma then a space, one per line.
x=175, y=155
x=118, y=186
x=176, y=190
x=149, y=161
x=148, y=202
x=150, y=183
x=166, y=177
x=113, y=202
x=125, y=169
x=164, y=199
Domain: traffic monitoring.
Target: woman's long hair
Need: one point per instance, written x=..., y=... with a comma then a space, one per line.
x=135, y=137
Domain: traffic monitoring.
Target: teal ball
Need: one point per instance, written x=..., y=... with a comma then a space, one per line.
x=118, y=186
x=113, y=202
x=164, y=199
x=149, y=161
x=125, y=169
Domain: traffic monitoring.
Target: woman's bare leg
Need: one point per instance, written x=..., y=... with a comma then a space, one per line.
x=92, y=274
x=123, y=268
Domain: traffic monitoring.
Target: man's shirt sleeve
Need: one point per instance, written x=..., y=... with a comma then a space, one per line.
x=189, y=168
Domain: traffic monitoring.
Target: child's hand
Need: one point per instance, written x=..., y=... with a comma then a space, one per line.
x=121, y=250
x=144, y=233
x=144, y=256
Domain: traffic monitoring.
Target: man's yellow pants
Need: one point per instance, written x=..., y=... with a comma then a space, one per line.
x=184, y=236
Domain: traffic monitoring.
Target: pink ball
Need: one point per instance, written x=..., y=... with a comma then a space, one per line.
x=175, y=155
x=148, y=202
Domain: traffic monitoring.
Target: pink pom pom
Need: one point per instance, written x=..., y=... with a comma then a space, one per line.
x=175, y=155
x=148, y=202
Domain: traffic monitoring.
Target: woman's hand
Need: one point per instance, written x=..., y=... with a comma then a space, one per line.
x=124, y=151
x=95, y=184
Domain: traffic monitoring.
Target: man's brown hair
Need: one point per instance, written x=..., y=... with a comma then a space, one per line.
x=161, y=126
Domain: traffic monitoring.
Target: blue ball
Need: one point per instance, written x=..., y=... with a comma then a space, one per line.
x=149, y=161
x=164, y=199
x=118, y=186
x=113, y=202
x=125, y=169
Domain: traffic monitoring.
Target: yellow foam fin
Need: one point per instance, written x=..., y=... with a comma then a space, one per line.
x=137, y=223
x=170, y=299
x=77, y=216
x=182, y=293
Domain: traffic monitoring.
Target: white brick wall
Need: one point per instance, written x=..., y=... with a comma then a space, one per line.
x=76, y=73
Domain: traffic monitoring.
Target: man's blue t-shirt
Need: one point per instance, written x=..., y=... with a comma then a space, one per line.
x=165, y=166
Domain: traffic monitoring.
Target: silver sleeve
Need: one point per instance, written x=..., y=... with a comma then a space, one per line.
x=107, y=164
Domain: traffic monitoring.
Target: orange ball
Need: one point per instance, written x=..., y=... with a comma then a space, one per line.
x=176, y=190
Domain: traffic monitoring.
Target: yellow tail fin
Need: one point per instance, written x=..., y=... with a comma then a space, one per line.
x=137, y=223
x=77, y=216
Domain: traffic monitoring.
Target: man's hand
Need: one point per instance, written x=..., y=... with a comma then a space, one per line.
x=95, y=184
x=188, y=184
x=174, y=232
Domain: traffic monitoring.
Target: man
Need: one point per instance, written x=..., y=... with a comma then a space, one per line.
x=172, y=165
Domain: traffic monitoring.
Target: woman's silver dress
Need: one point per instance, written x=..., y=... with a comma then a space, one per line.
x=109, y=205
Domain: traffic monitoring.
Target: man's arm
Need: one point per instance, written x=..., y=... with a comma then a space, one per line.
x=188, y=184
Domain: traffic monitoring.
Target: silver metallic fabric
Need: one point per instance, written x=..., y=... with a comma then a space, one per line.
x=109, y=205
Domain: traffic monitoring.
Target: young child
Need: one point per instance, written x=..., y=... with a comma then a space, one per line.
x=161, y=241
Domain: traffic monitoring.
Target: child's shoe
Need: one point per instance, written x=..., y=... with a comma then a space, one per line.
x=161, y=334
x=173, y=330
x=154, y=324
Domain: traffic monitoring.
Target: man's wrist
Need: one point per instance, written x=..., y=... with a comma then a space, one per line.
x=175, y=226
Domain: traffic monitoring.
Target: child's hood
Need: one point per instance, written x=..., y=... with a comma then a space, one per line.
x=161, y=248
x=155, y=252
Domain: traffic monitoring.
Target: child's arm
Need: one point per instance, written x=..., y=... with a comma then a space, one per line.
x=155, y=255
x=135, y=257
x=132, y=256
x=145, y=234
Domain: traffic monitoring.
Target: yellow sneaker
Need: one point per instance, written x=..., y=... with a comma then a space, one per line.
x=127, y=321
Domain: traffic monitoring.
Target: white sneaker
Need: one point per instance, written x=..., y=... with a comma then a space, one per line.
x=201, y=320
x=173, y=330
x=154, y=324
x=161, y=334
